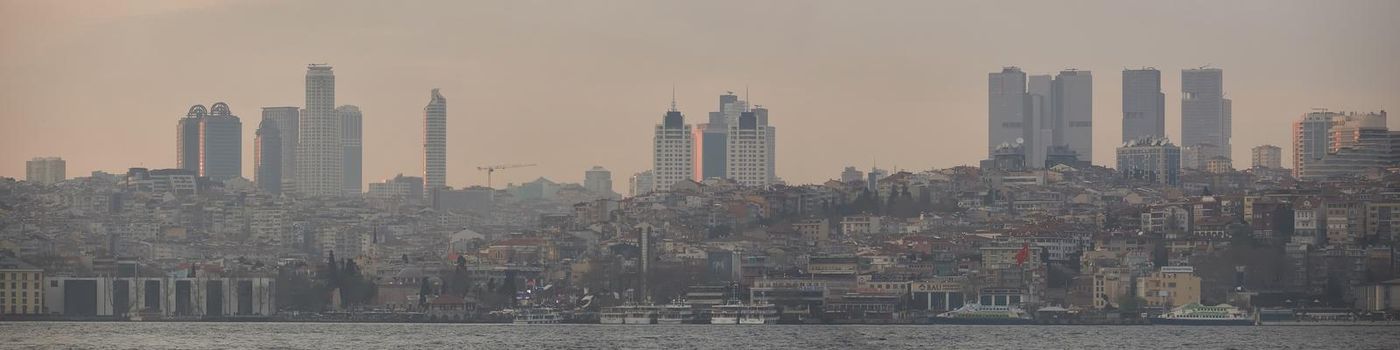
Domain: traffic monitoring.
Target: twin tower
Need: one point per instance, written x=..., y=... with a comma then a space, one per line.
x=736, y=144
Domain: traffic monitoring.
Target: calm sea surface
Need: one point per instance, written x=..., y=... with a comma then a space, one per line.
x=152, y=335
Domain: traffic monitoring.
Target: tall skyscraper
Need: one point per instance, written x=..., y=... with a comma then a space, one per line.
x=1073, y=92
x=352, y=136
x=286, y=119
x=747, y=161
x=45, y=170
x=1007, y=119
x=435, y=143
x=673, y=157
x=1205, y=112
x=267, y=157
x=1266, y=156
x=220, y=144
x=712, y=139
x=1144, y=104
x=187, y=139
x=320, y=151
x=761, y=113
x=1041, y=114
x=599, y=181
x=1039, y=110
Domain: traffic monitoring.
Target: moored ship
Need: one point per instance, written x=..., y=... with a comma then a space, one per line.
x=977, y=314
x=542, y=315
x=1194, y=314
x=740, y=313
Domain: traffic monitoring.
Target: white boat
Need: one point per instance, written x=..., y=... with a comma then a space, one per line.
x=977, y=314
x=675, y=313
x=1194, y=314
x=614, y=314
x=538, y=316
x=629, y=314
x=739, y=313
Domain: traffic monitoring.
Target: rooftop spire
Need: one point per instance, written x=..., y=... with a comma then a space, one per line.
x=673, y=97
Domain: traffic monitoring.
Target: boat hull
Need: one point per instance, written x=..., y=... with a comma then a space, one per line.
x=758, y=321
x=1202, y=322
x=980, y=321
x=724, y=320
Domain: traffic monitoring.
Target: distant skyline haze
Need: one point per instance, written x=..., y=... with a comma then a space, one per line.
x=571, y=85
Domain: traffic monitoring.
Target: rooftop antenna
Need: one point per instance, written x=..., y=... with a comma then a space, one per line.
x=747, y=101
x=673, y=97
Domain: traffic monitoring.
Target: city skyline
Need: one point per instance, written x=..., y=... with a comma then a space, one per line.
x=901, y=96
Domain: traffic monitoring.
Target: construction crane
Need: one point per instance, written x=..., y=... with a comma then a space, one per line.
x=491, y=169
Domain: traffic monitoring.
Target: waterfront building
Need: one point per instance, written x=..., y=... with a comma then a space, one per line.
x=1169, y=287
x=21, y=287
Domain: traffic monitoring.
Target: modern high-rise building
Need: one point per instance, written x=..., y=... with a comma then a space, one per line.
x=1358, y=143
x=320, y=152
x=640, y=184
x=187, y=139
x=712, y=139
x=598, y=181
x=286, y=121
x=673, y=157
x=435, y=143
x=761, y=114
x=1039, y=110
x=352, y=136
x=1073, y=93
x=1205, y=112
x=1150, y=158
x=1007, y=118
x=1144, y=104
x=1266, y=156
x=45, y=170
x=220, y=144
x=747, y=161
x=267, y=157
x=1311, y=138
x=1041, y=114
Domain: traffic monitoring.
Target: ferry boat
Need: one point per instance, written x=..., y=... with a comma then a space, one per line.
x=1194, y=314
x=675, y=313
x=614, y=314
x=978, y=314
x=538, y=316
x=739, y=313
x=630, y=314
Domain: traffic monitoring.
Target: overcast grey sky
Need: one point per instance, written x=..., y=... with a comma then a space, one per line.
x=571, y=84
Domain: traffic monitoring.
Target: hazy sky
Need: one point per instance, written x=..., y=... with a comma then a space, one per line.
x=572, y=84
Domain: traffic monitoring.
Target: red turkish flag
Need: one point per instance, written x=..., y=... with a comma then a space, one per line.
x=1024, y=254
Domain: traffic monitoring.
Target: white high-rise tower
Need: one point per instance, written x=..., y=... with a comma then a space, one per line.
x=320, y=152
x=672, y=151
x=435, y=144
